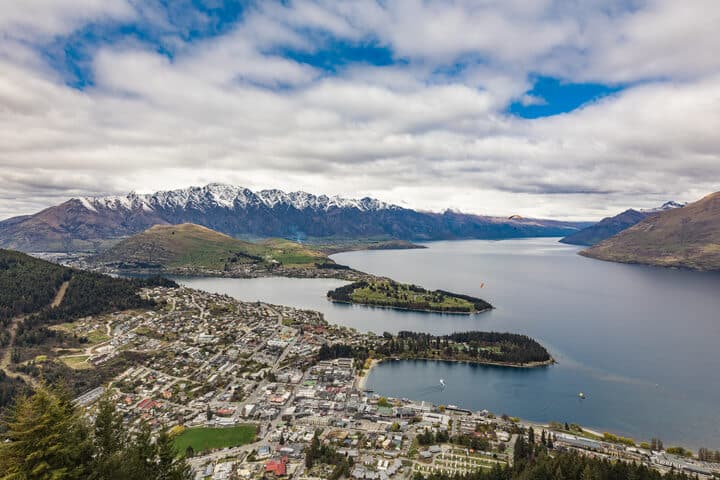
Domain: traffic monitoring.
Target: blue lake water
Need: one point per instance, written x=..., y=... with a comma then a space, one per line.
x=642, y=343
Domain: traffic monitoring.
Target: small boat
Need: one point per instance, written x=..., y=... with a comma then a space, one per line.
x=442, y=382
x=581, y=395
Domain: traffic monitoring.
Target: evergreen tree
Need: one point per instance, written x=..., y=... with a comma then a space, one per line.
x=587, y=473
x=110, y=439
x=169, y=467
x=531, y=436
x=47, y=439
x=313, y=452
x=139, y=457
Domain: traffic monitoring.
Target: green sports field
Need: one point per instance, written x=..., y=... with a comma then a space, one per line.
x=203, y=438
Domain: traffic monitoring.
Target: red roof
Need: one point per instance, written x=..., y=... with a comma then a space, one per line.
x=278, y=467
x=147, y=404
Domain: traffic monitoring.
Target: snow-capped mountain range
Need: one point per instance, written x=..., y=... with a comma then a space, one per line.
x=94, y=223
x=218, y=195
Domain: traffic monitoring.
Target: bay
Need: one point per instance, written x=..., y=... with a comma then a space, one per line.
x=642, y=343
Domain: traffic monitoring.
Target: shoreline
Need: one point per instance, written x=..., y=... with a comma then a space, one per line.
x=347, y=275
x=361, y=380
x=594, y=431
x=405, y=309
x=489, y=363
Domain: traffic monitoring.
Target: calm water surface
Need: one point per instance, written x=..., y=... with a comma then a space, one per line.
x=642, y=343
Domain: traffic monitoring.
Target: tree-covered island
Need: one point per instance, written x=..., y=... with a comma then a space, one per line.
x=391, y=294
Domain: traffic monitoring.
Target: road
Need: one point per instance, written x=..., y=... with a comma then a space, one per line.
x=6, y=358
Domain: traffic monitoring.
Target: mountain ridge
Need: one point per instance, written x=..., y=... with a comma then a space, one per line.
x=92, y=224
x=687, y=237
x=610, y=226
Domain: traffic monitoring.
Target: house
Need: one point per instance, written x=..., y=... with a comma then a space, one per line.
x=277, y=467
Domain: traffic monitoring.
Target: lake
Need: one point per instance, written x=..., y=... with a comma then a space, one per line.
x=642, y=343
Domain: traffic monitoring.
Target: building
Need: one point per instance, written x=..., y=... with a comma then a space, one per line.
x=277, y=467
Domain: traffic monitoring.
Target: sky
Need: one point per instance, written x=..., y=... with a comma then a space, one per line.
x=572, y=109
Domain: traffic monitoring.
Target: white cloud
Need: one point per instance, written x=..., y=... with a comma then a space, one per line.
x=406, y=133
x=30, y=18
x=527, y=100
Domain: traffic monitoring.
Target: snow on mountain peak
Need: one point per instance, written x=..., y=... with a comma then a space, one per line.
x=229, y=197
x=670, y=205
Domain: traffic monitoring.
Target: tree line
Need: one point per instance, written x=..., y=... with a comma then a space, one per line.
x=341, y=350
x=93, y=294
x=538, y=461
x=472, y=346
x=707, y=455
x=46, y=437
x=27, y=284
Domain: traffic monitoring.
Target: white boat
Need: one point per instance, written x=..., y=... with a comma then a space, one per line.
x=442, y=382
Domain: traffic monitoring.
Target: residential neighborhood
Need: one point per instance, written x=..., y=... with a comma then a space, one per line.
x=242, y=383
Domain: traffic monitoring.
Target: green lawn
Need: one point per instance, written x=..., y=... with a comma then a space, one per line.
x=97, y=336
x=203, y=438
x=291, y=254
x=77, y=362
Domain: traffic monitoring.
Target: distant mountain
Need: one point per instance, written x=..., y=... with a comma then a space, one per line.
x=188, y=245
x=605, y=228
x=95, y=223
x=686, y=237
x=664, y=207
x=609, y=226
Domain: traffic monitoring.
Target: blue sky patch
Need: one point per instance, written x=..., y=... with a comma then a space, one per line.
x=334, y=54
x=186, y=21
x=552, y=97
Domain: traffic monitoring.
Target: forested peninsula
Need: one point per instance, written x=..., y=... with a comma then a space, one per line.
x=490, y=348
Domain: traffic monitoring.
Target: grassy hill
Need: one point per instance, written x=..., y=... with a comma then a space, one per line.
x=687, y=237
x=188, y=245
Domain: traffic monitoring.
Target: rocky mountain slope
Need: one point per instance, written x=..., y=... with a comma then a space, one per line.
x=607, y=227
x=94, y=223
x=687, y=237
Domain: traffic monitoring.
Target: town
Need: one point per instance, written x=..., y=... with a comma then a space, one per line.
x=242, y=388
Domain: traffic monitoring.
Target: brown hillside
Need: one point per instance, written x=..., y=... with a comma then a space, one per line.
x=686, y=237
